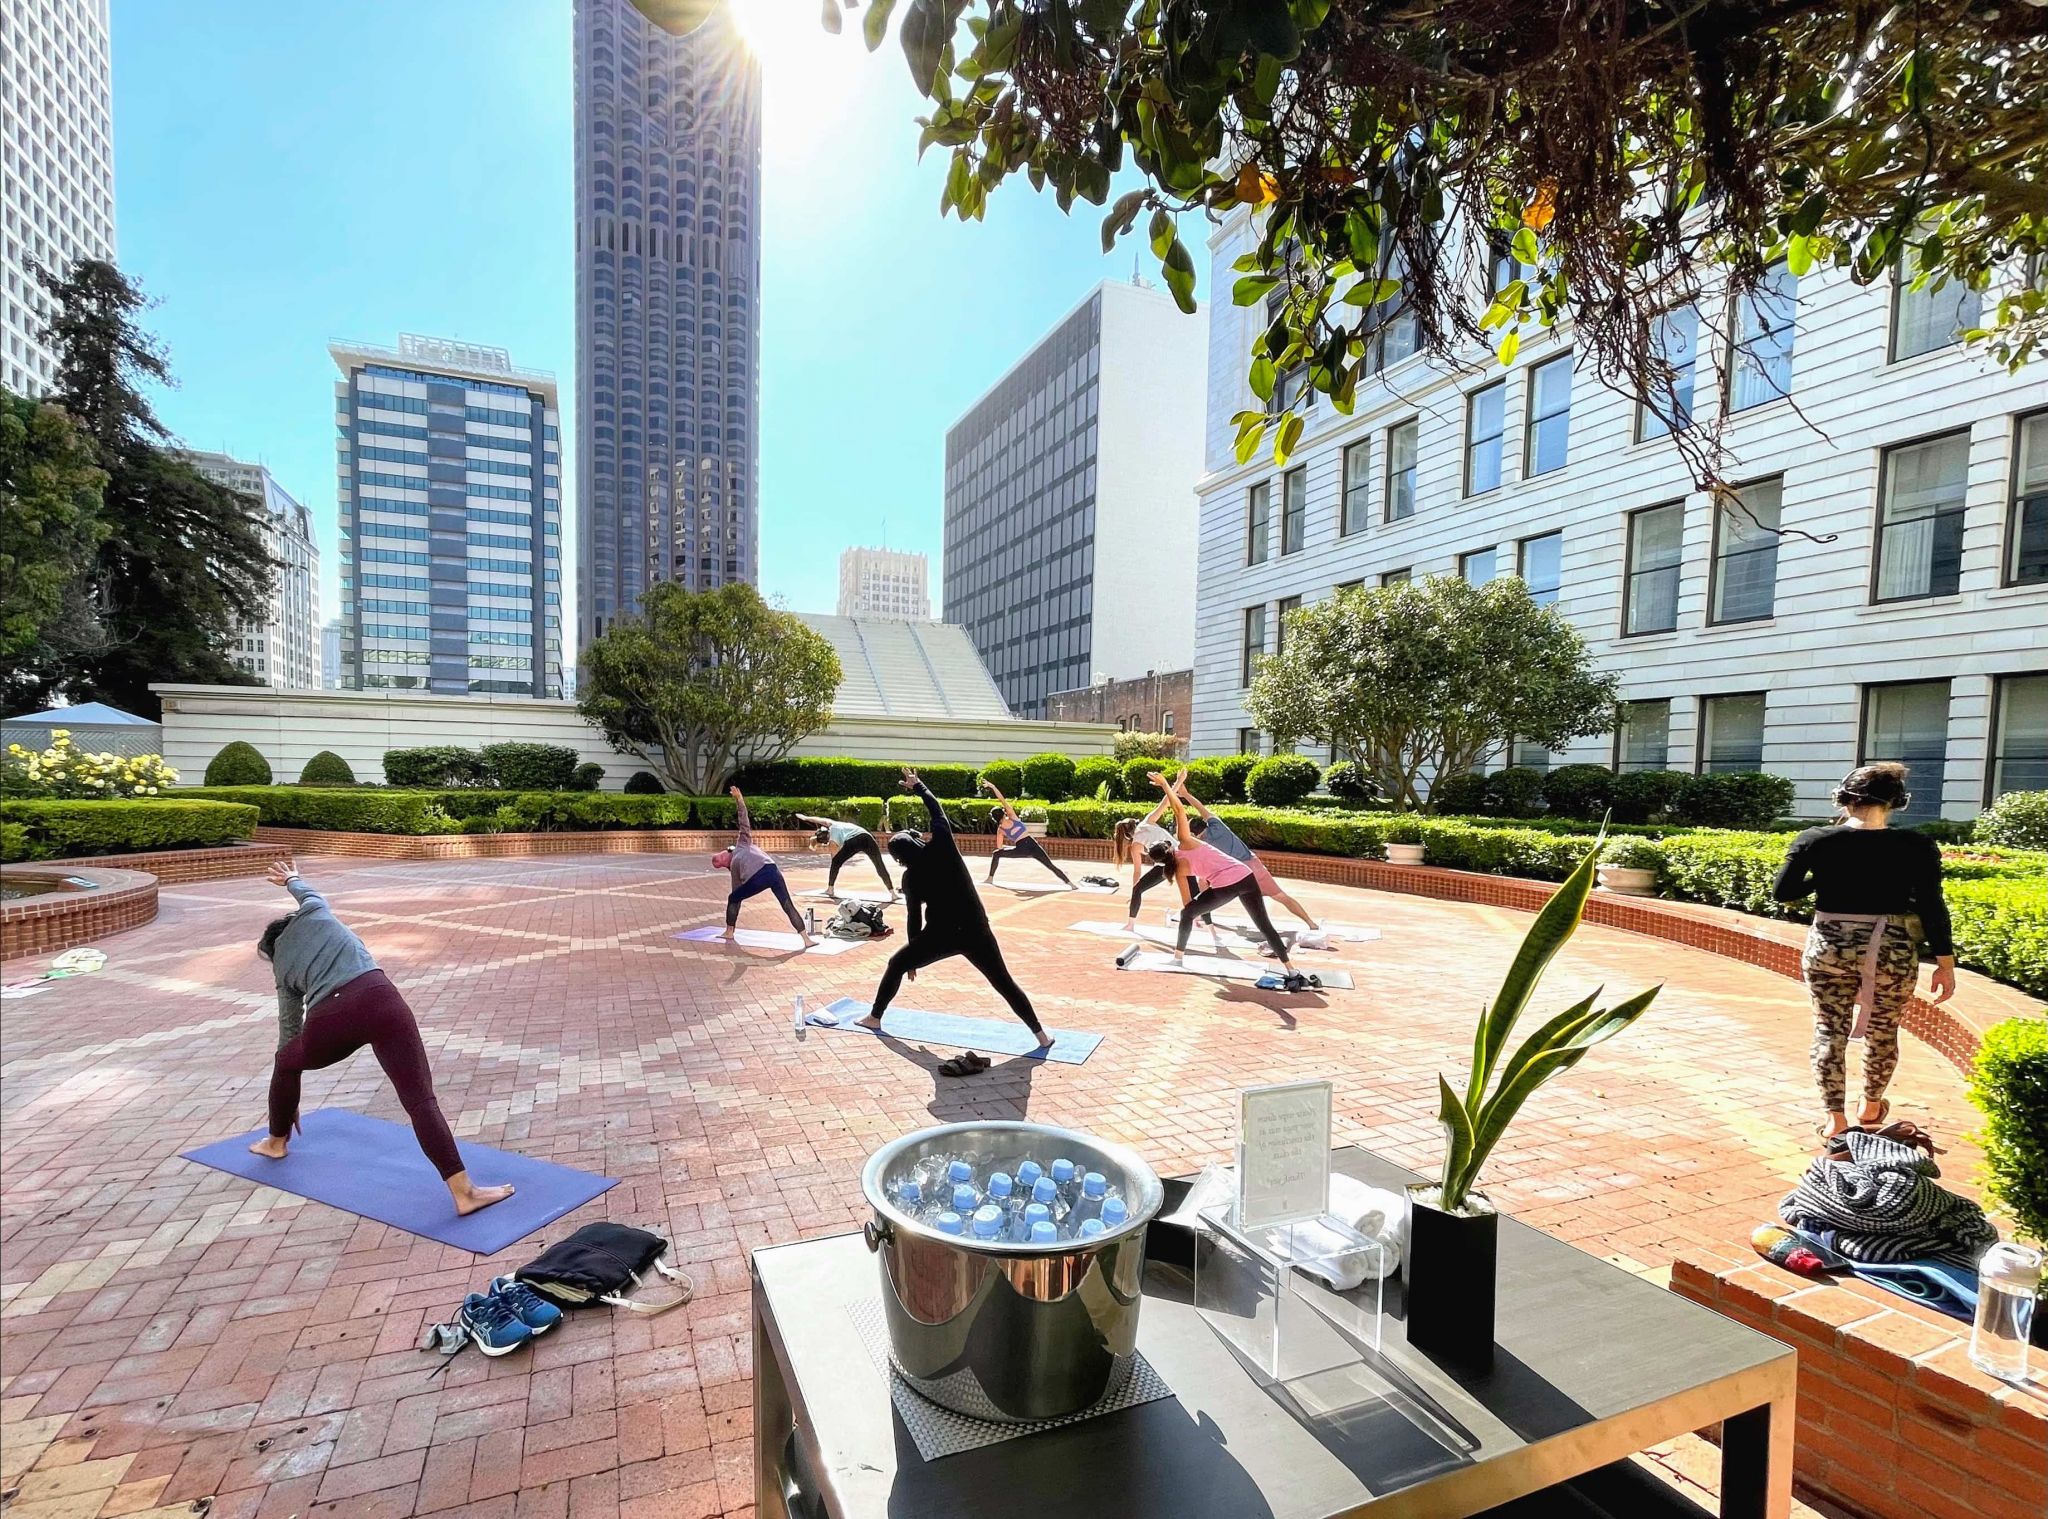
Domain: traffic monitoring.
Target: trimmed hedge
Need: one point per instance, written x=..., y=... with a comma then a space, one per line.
x=588, y=776
x=2018, y=819
x=1007, y=776
x=644, y=783
x=823, y=776
x=238, y=764
x=1095, y=772
x=1579, y=791
x=2010, y=1088
x=531, y=767
x=476, y=810
x=1236, y=770
x=324, y=769
x=1452, y=795
x=1205, y=781
x=45, y=830
x=1282, y=780
x=1348, y=782
x=1648, y=796
x=1734, y=800
x=1048, y=775
x=1516, y=792
x=1137, y=788
x=434, y=767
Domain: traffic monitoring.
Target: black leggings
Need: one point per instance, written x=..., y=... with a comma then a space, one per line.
x=859, y=844
x=1026, y=848
x=367, y=1010
x=1245, y=890
x=767, y=878
x=1143, y=884
x=977, y=947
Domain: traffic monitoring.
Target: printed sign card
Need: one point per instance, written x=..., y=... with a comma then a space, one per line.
x=1283, y=1153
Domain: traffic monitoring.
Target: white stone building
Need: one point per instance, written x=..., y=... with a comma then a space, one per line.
x=284, y=649
x=57, y=145
x=1902, y=614
x=885, y=583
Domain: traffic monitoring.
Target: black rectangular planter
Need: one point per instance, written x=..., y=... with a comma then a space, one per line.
x=1450, y=1268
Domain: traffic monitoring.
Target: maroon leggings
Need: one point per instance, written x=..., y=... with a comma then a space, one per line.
x=368, y=1010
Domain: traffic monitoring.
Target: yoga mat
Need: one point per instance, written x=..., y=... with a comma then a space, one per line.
x=1234, y=970
x=761, y=938
x=1049, y=888
x=994, y=1036
x=1349, y=933
x=1152, y=933
x=879, y=897
x=374, y=1169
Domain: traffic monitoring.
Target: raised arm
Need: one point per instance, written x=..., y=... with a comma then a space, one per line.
x=942, y=827
x=1180, y=813
x=1180, y=787
x=1001, y=800
x=746, y=823
x=1157, y=812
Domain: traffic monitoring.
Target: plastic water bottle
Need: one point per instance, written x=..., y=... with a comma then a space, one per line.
x=1067, y=1179
x=2009, y=1277
x=965, y=1201
x=960, y=1174
x=1028, y=1172
x=1094, y=1191
x=947, y=1222
x=796, y=1022
x=988, y=1222
x=1028, y=1221
x=1045, y=1193
x=910, y=1197
x=1090, y=1228
x=1002, y=1193
x=1115, y=1212
x=1043, y=1233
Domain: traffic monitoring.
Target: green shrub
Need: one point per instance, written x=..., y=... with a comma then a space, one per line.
x=365, y=809
x=530, y=767
x=1453, y=794
x=2001, y=929
x=1007, y=776
x=1095, y=772
x=1282, y=780
x=781, y=811
x=1205, y=781
x=1347, y=781
x=324, y=769
x=2019, y=819
x=56, y=830
x=1050, y=776
x=1237, y=770
x=588, y=777
x=1631, y=853
x=2010, y=1088
x=435, y=767
x=1515, y=792
x=965, y=814
x=643, y=783
x=1733, y=800
x=1948, y=830
x=1137, y=769
x=1579, y=791
x=1647, y=796
x=829, y=775
x=238, y=764
x=1136, y=745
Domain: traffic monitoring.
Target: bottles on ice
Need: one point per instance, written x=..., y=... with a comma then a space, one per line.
x=910, y=1197
x=1115, y=1212
x=947, y=1222
x=1028, y=1221
x=1094, y=1190
x=988, y=1222
x=965, y=1201
x=1043, y=1233
x=1090, y=1227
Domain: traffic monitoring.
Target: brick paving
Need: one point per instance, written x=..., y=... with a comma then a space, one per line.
x=171, y=1334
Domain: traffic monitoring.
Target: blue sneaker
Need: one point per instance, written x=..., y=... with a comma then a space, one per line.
x=532, y=1310
x=491, y=1322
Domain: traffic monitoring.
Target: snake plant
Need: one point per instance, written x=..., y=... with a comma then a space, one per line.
x=1473, y=1124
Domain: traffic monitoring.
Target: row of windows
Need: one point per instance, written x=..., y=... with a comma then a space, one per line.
x=394, y=556
x=498, y=541
x=391, y=582
x=500, y=614
x=401, y=608
x=498, y=566
x=395, y=630
x=392, y=530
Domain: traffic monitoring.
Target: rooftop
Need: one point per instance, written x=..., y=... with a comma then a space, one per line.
x=908, y=669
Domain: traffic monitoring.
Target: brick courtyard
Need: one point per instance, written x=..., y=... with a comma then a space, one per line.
x=173, y=1334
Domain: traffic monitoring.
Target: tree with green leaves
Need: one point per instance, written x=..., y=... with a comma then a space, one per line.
x=50, y=532
x=1601, y=163
x=1428, y=678
x=703, y=682
x=184, y=561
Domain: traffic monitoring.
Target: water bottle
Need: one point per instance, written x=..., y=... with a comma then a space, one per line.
x=1115, y=1212
x=1094, y=1191
x=1043, y=1233
x=1028, y=1172
x=965, y=1201
x=2008, y=1280
x=796, y=1022
x=1067, y=1179
x=947, y=1222
x=910, y=1197
x=1002, y=1193
x=988, y=1222
x=1045, y=1193
x=1090, y=1228
x=960, y=1174
x=811, y=921
x=1028, y=1221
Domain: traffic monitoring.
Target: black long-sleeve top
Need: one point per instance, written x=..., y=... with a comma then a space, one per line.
x=1870, y=870
x=938, y=891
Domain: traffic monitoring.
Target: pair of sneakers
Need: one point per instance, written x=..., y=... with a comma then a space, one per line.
x=507, y=1316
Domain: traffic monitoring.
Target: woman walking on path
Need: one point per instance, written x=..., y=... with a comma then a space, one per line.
x=331, y=1001
x=849, y=839
x=752, y=873
x=943, y=917
x=1869, y=883
x=1223, y=880
x=1017, y=841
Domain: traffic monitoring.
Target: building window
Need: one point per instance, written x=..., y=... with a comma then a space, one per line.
x=1258, y=515
x=1293, y=510
x=1166, y=722
x=1746, y=552
x=1760, y=358
x=1540, y=563
x=1477, y=567
x=2019, y=735
x=1732, y=733
x=1675, y=341
x=1288, y=605
x=1655, y=548
x=1550, y=416
x=1402, y=442
x=1920, y=523
x=1397, y=577
x=1528, y=756
x=1485, y=416
x=1247, y=740
x=1642, y=740
x=1357, y=482
x=1932, y=317
x=2026, y=554
x=1909, y=723
x=1254, y=643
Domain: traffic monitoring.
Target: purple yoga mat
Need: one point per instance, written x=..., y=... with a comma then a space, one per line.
x=374, y=1169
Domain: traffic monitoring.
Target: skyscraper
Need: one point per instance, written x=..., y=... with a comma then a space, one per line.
x=284, y=648
x=449, y=493
x=668, y=277
x=883, y=583
x=57, y=138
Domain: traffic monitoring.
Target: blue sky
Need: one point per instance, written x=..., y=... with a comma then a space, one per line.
x=291, y=174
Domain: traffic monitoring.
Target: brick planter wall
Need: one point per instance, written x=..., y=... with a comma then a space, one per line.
x=177, y=866
x=1894, y=1421
x=502, y=846
x=59, y=920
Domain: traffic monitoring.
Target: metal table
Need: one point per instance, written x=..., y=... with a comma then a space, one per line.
x=1591, y=1365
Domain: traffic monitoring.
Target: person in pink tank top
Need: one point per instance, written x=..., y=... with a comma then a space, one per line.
x=1224, y=880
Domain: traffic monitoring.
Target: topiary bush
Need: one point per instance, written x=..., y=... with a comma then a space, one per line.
x=588, y=777
x=324, y=769
x=530, y=767
x=1733, y=800
x=1515, y=792
x=1135, y=745
x=643, y=783
x=1095, y=772
x=1647, y=796
x=1236, y=770
x=836, y=775
x=1007, y=776
x=1137, y=787
x=1347, y=781
x=1579, y=791
x=1050, y=776
x=2010, y=1088
x=1282, y=780
x=238, y=764
x=56, y=830
x=1465, y=792
x=1205, y=780
x=434, y=767
x=2017, y=820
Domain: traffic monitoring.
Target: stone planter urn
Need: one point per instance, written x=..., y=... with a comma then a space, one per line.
x=1035, y=830
x=1627, y=881
x=1405, y=854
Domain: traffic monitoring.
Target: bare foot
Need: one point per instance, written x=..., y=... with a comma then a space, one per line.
x=871, y=1021
x=1044, y=1040
x=727, y=936
x=1131, y=927
x=270, y=1147
x=469, y=1197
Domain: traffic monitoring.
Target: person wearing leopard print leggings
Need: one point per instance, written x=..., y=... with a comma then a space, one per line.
x=1877, y=893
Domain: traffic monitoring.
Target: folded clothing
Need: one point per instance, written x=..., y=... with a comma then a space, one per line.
x=1881, y=1204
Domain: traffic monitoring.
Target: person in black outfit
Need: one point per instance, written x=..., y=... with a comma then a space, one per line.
x=944, y=917
x=1870, y=883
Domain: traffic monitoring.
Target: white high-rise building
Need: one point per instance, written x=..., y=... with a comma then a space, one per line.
x=1070, y=501
x=284, y=649
x=1877, y=591
x=57, y=145
x=887, y=583
x=330, y=655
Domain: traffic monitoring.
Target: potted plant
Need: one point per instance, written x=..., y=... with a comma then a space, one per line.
x=1452, y=1229
x=1628, y=867
x=1403, y=842
x=1034, y=819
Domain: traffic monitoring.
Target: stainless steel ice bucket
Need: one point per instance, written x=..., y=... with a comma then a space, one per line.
x=1002, y=1331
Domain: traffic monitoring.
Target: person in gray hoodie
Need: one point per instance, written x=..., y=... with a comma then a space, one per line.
x=331, y=1001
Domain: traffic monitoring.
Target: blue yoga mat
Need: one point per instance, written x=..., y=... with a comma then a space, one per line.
x=991, y=1035
x=374, y=1169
